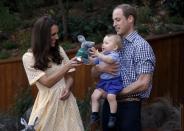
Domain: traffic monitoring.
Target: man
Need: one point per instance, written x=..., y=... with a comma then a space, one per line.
x=137, y=62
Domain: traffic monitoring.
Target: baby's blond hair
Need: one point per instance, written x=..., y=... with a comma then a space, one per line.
x=117, y=40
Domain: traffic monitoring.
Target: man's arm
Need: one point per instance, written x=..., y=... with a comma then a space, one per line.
x=100, y=68
x=140, y=85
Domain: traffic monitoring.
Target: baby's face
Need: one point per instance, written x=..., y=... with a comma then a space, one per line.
x=109, y=44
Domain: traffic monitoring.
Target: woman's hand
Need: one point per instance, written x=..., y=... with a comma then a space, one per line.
x=65, y=93
x=72, y=63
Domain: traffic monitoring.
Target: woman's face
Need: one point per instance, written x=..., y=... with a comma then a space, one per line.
x=54, y=35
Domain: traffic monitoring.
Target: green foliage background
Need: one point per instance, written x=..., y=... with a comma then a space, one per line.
x=93, y=20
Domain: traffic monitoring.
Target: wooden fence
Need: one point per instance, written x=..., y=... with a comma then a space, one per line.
x=169, y=74
x=168, y=77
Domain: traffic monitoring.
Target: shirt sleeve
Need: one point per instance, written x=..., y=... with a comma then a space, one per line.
x=114, y=56
x=33, y=74
x=144, y=59
x=96, y=61
x=65, y=57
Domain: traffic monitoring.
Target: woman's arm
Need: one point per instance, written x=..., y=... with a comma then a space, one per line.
x=50, y=80
x=69, y=81
x=66, y=91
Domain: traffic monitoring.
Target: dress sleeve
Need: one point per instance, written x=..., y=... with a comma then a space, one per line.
x=32, y=74
x=63, y=54
x=65, y=57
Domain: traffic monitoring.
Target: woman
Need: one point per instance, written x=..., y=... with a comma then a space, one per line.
x=47, y=65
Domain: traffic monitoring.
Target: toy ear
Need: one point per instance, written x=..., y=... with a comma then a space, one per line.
x=23, y=122
x=89, y=44
x=81, y=38
x=92, y=43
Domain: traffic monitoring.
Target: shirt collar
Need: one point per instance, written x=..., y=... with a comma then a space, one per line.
x=130, y=37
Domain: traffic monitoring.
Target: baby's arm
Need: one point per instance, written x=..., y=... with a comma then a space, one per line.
x=105, y=58
x=101, y=56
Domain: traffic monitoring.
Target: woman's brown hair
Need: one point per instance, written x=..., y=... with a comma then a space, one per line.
x=41, y=44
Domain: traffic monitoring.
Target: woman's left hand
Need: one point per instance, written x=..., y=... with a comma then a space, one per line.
x=65, y=93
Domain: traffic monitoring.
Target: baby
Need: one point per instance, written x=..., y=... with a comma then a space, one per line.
x=109, y=84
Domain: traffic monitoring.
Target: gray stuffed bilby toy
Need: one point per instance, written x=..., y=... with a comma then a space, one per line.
x=28, y=127
x=83, y=52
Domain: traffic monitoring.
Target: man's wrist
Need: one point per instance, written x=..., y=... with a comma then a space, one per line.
x=95, y=72
x=98, y=69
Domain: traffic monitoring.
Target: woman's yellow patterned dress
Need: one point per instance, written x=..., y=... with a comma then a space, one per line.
x=53, y=114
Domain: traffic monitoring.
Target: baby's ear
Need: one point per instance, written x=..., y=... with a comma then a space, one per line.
x=116, y=47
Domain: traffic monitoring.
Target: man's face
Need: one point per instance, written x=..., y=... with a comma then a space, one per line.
x=120, y=22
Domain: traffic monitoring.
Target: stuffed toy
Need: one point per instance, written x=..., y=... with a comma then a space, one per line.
x=83, y=53
x=28, y=127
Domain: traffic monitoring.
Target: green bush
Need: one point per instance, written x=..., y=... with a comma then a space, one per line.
x=144, y=14
x=68, y=45
x=160, y=28
x=23, y=40
x=26, y=7
x=88, y=5
x=85, y=109
x=23, y=101
x=9, y=45
x=175, y=7
x=176, y=20
x=94, y=30
x=143, y=29
x=4, y=54
x=8, y=22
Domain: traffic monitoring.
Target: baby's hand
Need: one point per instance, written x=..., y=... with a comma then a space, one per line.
x=94, y=52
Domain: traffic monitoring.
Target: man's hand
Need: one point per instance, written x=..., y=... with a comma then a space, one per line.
x=110, y=68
